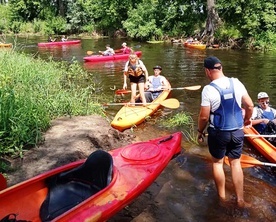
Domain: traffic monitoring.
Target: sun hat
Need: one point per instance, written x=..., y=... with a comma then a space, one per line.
x=210, y=62
x=262, y=95
x=157, y=67
x=124, y=44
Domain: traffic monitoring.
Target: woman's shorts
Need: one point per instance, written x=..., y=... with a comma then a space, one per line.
x=137, y=79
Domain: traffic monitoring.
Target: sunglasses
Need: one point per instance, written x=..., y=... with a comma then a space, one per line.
x=265, y=103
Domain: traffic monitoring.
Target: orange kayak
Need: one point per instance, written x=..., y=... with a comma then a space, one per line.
x=195, y=45
x=94, y=189
x=267, y=149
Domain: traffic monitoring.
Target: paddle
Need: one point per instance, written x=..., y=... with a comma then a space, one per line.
x=89, y=52
x=253, y=135
x=124, y=91
x=258, y=135
x=187, y=87
x=248, y=161
x=169, y=103
x=3, y=182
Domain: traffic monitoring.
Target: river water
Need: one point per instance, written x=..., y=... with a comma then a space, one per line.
x=188, y=192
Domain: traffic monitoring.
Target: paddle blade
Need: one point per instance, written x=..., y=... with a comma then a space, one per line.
x=3, y=182
x=193, y=87
x=170, y=103
x=246, y=161
x=122, y=91
x=89, y=52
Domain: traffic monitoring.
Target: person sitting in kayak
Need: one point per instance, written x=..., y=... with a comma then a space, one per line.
x=125, y=49
x=63, y=39
x=155, y=84
x=137, y=73
x=108, y=52
x=263, y=116
x=50, y=39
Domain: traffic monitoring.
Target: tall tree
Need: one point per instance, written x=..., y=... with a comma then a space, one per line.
x=212, y=22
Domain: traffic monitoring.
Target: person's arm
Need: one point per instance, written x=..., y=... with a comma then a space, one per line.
x=125, y=81
x=258, y=121
x=145, y=70
x=125, y=75
x=165, y=83
x=112, y=51
x=248, y=107
x=203, y=119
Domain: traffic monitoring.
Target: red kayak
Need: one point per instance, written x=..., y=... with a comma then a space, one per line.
x=117, y=56
x=94, y=189
x=69, y=42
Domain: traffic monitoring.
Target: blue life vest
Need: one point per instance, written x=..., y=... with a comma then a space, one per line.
x=264, y=115
x=156, y=83
x=228, y=116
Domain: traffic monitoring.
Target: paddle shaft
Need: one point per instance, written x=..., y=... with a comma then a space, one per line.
x=248, y=161
x=124, y=91
x=169, y=103
x=253, y=135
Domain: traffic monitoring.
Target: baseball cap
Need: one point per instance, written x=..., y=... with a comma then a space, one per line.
x=262, y=95
x=124, y=44
x=210, y=62
x=157, y=67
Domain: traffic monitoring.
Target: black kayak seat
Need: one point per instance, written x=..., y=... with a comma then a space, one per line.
x=70, y=188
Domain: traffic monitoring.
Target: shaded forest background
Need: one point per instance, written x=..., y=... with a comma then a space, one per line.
x=252, y=23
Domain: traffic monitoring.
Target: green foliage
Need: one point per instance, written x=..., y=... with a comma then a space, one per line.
x=5, y=18
x=182, y=120
x=224, y=32
x=32, y=92
x=58, y=25
x=264, y=41
x=26, y=10
x=250, y=17
x=141, y=23
x=27, y=27
x=41, y=27
x=15, y=27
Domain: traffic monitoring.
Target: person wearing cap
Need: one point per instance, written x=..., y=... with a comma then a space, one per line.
x=221, y=108
x=263, y=114
x=125, y=49
x=108, y=52
x=155, y=84
x=138, y=74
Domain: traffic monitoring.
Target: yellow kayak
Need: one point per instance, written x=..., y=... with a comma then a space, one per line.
x=129, y=116
x=5, y=45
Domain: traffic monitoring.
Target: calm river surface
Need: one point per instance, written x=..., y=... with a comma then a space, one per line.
x=187, y=191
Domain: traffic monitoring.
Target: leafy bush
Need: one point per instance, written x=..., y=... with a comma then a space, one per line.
x=58, y=25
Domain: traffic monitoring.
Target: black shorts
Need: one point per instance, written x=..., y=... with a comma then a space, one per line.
x=225, y=143
x=137, y=79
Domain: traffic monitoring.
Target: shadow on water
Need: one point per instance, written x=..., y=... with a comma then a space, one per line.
x=185, y=191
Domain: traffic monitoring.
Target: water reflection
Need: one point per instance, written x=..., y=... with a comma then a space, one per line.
x=186, y=189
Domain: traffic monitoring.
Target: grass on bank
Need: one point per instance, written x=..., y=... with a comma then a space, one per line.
x=33, y=92
x=185, y=122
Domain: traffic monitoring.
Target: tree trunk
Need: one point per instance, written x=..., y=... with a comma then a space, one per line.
x=212, y=22
x=61, y=8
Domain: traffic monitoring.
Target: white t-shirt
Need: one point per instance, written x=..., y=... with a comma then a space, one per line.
x=210, y=96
